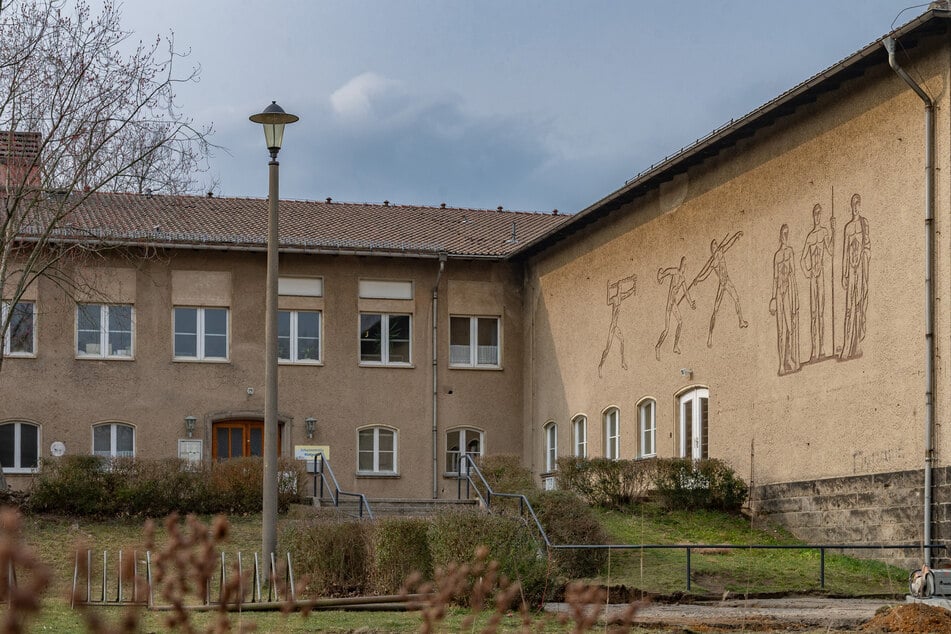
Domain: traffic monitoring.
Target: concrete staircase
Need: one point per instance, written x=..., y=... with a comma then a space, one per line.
x=389, y=507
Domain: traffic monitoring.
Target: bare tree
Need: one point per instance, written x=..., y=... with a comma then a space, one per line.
x=83, y=109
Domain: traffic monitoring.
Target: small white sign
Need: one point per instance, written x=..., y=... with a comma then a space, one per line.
x=57, y=449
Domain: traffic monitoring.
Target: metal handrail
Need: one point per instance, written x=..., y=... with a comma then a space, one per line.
x=336, y=492
x=467, y=467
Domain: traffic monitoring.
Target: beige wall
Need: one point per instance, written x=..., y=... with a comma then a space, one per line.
x=66, y=395
x=858, y=414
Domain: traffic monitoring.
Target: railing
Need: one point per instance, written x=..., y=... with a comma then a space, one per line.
x=475, y=482
x=323, y=470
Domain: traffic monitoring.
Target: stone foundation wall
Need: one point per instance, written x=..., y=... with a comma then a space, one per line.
x=883, y=508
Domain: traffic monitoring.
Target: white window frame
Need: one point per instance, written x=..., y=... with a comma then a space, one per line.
x=113, y=441
x=456, y=456
x=18, y=446
x=473, y=346
x=376, y=470
x=104, y=332
x=295, y=342
x=385, y=340
x=693, y=399
x=579, y=431
x=551, y=447
x=647, y=428
x=612, y=441
x=4, y=310
x=200, y=334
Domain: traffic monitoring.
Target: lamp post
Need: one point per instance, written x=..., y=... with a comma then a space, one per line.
x=273, y=119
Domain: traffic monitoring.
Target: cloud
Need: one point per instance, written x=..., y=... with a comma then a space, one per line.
x=355, y=99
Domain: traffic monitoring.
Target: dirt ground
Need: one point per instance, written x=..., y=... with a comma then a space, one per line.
x=788, y=614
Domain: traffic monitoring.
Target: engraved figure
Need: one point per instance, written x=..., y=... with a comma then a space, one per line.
x=717, y=264
x=812, y=261
x=785, y=304
x=856, y=252
x=617, y=292
x=675, y=292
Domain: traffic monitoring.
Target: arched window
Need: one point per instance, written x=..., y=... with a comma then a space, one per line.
x=647, y=428
x=612, y=433
x=376, y=451
x=551, y=447
x=19, y=447
x=579, y=436
x=694, y=423
x=113, y=440
x=459, y=441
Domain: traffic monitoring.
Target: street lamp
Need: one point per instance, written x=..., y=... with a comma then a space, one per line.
x=273, y=119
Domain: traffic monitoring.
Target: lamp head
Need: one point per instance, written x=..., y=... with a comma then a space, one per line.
x=190, y=425
x=273, y=118
x=310, y=425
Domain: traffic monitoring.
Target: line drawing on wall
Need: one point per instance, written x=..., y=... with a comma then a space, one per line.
x=677, y=290
x=819, y=242
x=717, y=264
x=618, y=291
x=784, y=304
x=856, y=254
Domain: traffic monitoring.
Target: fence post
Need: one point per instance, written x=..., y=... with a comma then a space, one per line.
x=688, y=569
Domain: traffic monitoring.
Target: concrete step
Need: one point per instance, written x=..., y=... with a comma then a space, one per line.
x=388, y=507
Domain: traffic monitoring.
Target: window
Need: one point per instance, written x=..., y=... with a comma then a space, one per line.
x=376, y=451
x=201, y=333
x=579, y=430
x=298, y=336
x=20, y=339
x=385, y=339
x=474, y=342
x=647, y=426
x=551, y=447
x=459, y=441
x=693, y=424
x=19, y=447
x=612, y=434
x=104, y=331
x=113, y=440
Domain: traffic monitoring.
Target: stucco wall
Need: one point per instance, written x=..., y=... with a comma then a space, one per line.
x=776, y=417
x=66, y=395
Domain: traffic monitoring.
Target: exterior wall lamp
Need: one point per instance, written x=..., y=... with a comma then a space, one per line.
x=310, y=425
x=273, y=118
x=190, y=425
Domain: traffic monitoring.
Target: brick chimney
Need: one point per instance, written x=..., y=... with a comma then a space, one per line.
x=19, y=159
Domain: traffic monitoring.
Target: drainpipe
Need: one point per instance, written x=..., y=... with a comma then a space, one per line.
x=929, y=287
x=442, y=266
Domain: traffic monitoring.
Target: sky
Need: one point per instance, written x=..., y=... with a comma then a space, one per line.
x=533, y=105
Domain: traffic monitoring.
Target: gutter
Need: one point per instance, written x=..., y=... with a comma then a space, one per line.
x=442, y=267
x=889, y=44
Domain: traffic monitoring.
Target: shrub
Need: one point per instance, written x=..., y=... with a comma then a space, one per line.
x=505, y=474
x=331, y=554
x=568, y=520
x=400, y=548
x=454, y=537
x=73, y=485
x=605, y=482
x=682, y=483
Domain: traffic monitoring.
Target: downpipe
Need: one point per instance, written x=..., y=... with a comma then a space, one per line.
x=442, y=267
x=889, y=44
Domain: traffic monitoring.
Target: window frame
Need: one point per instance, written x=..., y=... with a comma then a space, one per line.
x=473, y=344
x=384, y=340
x=456, y=456
x=694, y=397
x=294, y=337
x=579, y=442
x=18, y=447
x=612, y=443
x=201, y=334
x=113, y=439
x=377, y=431
x=551, y=446
x=645, y=431
x=104, y=332
x=5, y=307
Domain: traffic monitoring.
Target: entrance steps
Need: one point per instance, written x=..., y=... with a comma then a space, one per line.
x=389, y=507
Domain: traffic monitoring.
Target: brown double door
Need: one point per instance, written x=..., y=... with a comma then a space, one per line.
x=240, y=439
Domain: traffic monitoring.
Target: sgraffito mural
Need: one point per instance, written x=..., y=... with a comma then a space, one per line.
x=824, y=272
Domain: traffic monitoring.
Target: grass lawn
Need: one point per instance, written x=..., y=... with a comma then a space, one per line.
x=737, y=571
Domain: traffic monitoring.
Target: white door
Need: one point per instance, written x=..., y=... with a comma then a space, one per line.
x=693, y=424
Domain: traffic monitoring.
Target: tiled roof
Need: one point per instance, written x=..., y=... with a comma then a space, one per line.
x=195, y=221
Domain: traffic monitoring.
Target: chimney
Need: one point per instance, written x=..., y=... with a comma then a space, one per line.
x=386, y=203
x=19, y=159
x=329, y=200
